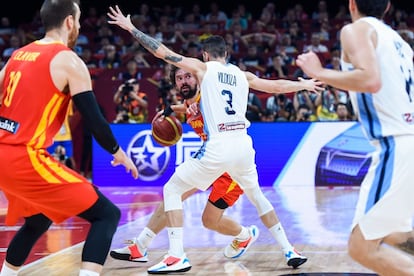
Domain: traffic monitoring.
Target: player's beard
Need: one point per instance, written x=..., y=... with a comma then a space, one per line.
x=188, y=92
x=73, y=37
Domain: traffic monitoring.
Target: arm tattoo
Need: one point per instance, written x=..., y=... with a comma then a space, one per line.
x=407, y=246
x=146, y=41
x=173, y=58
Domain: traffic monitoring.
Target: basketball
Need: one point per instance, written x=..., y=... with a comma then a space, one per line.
x=167, y=131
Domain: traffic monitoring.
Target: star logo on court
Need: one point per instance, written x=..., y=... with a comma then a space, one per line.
x=150, y=159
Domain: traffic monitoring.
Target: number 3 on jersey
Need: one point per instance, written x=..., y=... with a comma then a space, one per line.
x=229, y=99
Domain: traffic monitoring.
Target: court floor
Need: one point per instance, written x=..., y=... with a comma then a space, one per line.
x=316, y=220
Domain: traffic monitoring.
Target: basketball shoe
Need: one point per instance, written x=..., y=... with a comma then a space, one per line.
x=238, y=247
x=294, y=258
x=133, y=252
x=171, y=264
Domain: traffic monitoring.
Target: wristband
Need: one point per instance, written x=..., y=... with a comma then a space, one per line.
x=168, y=111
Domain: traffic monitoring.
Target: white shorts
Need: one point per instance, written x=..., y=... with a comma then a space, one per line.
x=230, y=152
x=386, y=199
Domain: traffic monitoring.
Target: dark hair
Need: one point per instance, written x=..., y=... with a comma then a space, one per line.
x=54, y=12
x=173, y=70
x=375, y=8
x=215, y=46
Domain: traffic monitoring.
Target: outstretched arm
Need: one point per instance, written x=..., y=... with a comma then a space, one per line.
x=155, y=47
x=282, y=85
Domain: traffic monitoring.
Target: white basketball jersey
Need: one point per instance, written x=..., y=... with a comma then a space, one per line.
x=224, y=99
x=390, y=111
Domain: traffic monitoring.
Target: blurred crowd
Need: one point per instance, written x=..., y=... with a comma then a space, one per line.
x=265, y=43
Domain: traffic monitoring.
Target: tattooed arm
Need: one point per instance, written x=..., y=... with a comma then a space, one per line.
x=155, y=47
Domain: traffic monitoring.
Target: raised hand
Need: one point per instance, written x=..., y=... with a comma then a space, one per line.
x=118, y=18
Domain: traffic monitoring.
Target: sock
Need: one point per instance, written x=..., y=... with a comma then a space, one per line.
x=279, y=234
x=84, y=272
x=175, y=236
x=145, y=237
x=244, y=234
x=7, y=271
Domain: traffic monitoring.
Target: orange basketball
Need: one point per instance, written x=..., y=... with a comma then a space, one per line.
x=167, y=131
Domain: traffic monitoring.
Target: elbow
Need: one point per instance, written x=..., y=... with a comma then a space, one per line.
x=373, y=86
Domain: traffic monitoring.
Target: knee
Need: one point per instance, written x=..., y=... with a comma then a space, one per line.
x=357, y=246
x=209, y=222
x=114, y=215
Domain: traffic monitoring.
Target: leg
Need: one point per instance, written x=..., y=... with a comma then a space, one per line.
x=213, y=219
x=379, y=257
x=104, y=217
x=24, y=240
x=136, y=250
x=271, y=221
x=176, y=259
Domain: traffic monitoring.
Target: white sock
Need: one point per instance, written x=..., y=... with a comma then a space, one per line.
x=244, y=234
x=279, y=234
x=175, y=236
x=84, y=272
x=7, y=271
x=145, y=237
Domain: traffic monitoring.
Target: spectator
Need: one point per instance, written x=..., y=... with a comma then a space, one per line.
x=111, y=58
x=300, y=13
x=342, y=112
x=296, y=34
x=155, y=33
x=253, y=58
x=87, y=56
x=304, y=97
x=131, y=71
x=277, y=69
x=128, y=98
x=286, y=45
x=231, y=58
x=60, y=155
x=215, y=14
x=254, y=108
x=305, y=114
x=6, y=27
x=236, y=18
x=244, y=13
x=280, y=106
x=14, y=43
x=316, y=45
x=264, y=42
x=325, y=104
x=140, y=60
x=121, y=117
x=321, y=11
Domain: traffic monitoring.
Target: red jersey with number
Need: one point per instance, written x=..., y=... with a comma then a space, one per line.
x=33, y=109
x=31, y=113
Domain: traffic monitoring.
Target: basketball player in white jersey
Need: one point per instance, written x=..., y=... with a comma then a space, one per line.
x=378, y=72
x=228, y=148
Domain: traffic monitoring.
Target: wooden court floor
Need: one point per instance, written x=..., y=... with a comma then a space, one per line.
x=316, y=220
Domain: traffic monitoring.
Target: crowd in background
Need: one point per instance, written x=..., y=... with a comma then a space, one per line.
x=266, y=44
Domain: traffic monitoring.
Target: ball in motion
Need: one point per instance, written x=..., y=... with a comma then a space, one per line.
x=167, y=131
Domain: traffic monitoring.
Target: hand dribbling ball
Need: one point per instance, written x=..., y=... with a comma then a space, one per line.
x=167, y=131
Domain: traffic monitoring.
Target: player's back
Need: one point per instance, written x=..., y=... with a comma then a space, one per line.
x=32, y=109
x=224, y=98
x=390, y=111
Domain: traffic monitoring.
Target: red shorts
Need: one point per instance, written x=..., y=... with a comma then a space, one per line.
x=34, y=182
x=224, y=192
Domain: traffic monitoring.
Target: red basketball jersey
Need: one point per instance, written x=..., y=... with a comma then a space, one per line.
x=32, y=109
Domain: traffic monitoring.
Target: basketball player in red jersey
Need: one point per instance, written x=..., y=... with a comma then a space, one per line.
x=36, y=86
x=224, y=192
